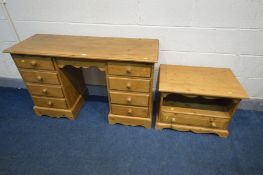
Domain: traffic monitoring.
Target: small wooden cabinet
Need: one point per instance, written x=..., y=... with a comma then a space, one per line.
x=198, y=99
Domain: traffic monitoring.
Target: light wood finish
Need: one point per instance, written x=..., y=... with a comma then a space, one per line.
x=129, y=110
x=131, y=121
x=195, y=129
x=198, y=99
x=124, y=98
x=130, y=91
x=45, y=90
x=129, y=69
x=206, y=81
x=78, y=63
x=129, y=84
x=51, y=67
x=194, y=120
x=33, y=62
x=50, y=102
x=58, y=113
x=39, y=77
x=185, y=109
x=87, y=47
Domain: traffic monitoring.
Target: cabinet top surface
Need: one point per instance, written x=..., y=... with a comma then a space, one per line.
x=207, y=81
x=87, y=47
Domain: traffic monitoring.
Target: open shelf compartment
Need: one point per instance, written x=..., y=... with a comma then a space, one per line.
x=198, y=105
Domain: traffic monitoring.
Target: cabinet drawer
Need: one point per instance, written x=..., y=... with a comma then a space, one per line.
x=45, y=90
x=50, y=102
x=128, y=84
x=129, y=110
x=129, y=69
x=40, y=77
x=33, y=62
x=194, y=120
x=129, y=98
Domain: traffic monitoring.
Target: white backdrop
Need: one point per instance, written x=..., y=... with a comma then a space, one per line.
x=218, y=33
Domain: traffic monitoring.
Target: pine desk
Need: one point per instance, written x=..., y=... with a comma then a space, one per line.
x=50, y=67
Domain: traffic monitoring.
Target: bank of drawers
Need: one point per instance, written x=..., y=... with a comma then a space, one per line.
x=42, y=81
x=130, y=88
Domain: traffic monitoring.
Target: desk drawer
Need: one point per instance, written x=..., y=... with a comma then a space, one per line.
x=129, y=98
x=194, y=120
x=50, y=102
x=129, y=69
x=40, y=77
x=33, y=62
x=45, y=90
x=129, y=110
x=128, y=84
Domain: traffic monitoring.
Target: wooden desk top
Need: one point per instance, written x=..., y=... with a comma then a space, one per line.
x=86, y=47
x=217, y=82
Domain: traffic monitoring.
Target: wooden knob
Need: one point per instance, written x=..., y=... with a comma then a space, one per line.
x=49, y=103
x=33, y=63
x=128, y=70
x=129, y=99
x=173, y=120
x=44, y=91
x=213, y=124
x=128, y=85
x=129, y=111
x=39, y=78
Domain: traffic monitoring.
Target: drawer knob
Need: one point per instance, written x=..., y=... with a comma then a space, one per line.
x=128, y=70
x=33, y=63
x=129, y=99
x=213, y=124
x=129, y=111
x=39, y=78
x=44, y=91
x=173, y=120
x=49, y=103
x=128, y=85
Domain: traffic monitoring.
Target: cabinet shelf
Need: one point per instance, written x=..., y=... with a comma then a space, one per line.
x=198, y=105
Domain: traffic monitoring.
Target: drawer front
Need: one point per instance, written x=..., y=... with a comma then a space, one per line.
x=129, y=98
x=45, y=90
x=34, y=62
x=194, y=120
x=50, y=102
x=40, y=77
x=129, y=110
x=130, y=69
x=128, y=84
